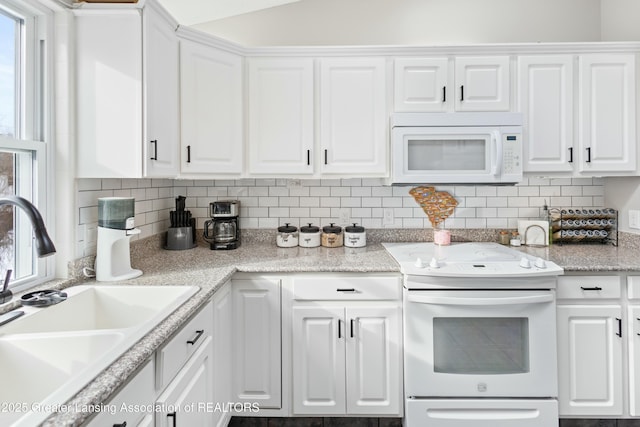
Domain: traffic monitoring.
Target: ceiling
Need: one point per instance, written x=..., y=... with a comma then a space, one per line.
x=193, y=12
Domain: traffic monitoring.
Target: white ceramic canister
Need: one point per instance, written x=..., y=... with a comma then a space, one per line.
x=331, y=236
x=355, y=236
x=309, y=236
x=287, y=236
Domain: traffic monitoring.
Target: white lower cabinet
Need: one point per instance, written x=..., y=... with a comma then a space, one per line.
x=257, y=365
x=346, y=355
x=123, y=408
x=222, y=354
x=590, y=346
x=186, y=401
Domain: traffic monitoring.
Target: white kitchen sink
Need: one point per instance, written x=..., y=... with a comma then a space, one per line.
x=50, y=353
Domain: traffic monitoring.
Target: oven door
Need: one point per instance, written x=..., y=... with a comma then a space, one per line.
x=480, y=343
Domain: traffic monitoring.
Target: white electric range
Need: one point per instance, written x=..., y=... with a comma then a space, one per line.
x=479, y=336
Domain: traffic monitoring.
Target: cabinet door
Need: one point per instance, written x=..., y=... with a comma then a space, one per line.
x=634, y=360
x=184, y=401
x=139, y=392
x=607, y=113
x=161, y=64
x=222, y=354
x=318, y=360
x=280, y=116
x=257, y=347
x=482, y=83
x=353, y=120
x=108, y=93
x=211, y=110
x=420, y=84
x=545, y=93
x=373, y=351
x=589, y=360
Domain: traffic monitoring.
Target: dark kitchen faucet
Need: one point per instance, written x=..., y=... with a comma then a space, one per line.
x=44, y=245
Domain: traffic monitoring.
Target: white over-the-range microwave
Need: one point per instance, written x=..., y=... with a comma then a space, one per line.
x=453, y=148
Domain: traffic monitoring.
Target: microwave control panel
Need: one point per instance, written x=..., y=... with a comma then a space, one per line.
x=512, y=153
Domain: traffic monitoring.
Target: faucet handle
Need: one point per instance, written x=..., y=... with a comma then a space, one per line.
x=7, y=278
x=6, y=294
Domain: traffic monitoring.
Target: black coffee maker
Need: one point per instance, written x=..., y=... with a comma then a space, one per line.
x=222, y=231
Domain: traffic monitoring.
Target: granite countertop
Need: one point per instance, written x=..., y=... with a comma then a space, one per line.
x=210, y=269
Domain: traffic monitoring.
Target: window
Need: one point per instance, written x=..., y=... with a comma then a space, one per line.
x=22, y=136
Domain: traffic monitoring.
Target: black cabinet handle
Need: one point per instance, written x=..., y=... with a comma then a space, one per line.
x=588, y=154
x=351, y=328
x=124, y=424
x=619, y=333
x=462, y=93
x=444, y=94
x=345, y=290
x=308, y=157
x=188, y=154
x=339, y=328
x=594, y=288
x=155, y=149
x=570, y=154
x=325, y=157
x=197, y=337
x=174, y=417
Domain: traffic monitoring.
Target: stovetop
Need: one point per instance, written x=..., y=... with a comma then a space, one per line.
x=468, y=260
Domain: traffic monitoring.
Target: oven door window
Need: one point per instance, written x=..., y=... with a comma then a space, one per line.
x=481, y=345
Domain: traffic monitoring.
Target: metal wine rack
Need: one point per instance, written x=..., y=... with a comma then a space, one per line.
x=571, y=225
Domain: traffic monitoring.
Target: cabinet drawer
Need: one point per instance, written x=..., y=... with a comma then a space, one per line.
x=633, y=287
x=174, y=354
x=588, y=287
x=347, y=288
x=139, y=391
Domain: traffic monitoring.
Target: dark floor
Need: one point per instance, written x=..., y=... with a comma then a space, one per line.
x=392, y=422
x=315, y=422
x=599, y=423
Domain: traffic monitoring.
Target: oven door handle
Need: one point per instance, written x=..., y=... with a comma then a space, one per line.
x=440, y=300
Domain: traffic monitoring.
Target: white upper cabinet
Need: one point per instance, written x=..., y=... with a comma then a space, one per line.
x=108, y=93
x=280, y=121
x=482, y=83
x=353, y=117
x=211, y=110
x=161, y=95
x=545, y=98
x=607, y=117
x=126, y=93
x=445, y=85
x=420, y=84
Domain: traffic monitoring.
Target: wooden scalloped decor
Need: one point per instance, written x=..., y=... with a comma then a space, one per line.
x=438, y=205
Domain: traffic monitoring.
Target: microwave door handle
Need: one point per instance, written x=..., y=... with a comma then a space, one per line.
x=442, y=300
x=497, y=153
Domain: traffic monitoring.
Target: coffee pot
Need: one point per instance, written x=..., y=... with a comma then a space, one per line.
x=222, y=231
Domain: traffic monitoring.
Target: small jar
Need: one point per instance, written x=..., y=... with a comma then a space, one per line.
x=504, y=237
x=332, y=236
x=442, y=237
x=355, y=236
x=287, y=236
x=515, y=239
x=309, y=236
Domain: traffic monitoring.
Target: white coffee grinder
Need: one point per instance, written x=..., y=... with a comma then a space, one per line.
x=115, y=228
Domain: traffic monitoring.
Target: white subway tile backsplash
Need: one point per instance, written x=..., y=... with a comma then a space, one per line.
x=269, y=203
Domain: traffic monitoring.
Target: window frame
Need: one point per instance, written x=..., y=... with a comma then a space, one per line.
x=33, y=133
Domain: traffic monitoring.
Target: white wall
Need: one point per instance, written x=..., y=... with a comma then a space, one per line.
x=620, y=20
x=417, y=22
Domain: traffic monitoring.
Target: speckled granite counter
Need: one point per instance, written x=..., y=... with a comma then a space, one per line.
x=210, y=269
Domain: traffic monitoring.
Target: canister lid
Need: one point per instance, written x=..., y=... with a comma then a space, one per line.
x=332, y=228
x=354, y=228
x=286, y=228
x=309, y=228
